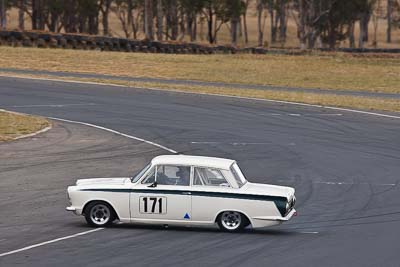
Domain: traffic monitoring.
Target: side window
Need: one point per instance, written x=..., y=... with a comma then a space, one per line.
x=150, y=177
x=173, y=175
x=209, y=177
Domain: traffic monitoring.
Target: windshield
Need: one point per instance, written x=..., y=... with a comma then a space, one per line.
x=237, y=173
x=139, y=174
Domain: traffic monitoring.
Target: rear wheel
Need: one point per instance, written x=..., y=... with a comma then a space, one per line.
x=99, y=214
x=232, y=221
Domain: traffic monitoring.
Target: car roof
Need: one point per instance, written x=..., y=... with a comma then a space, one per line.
x=201, y=161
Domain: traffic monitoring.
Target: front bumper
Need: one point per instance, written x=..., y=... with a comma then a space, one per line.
x=291, y=213
x=74, y=210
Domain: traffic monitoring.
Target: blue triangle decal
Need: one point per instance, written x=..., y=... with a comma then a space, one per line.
x=186, y=216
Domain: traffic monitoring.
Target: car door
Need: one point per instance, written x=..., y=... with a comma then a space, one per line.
x=163, y=195
x=211, y=194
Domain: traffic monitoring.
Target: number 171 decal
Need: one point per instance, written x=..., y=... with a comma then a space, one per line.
x=156, y=205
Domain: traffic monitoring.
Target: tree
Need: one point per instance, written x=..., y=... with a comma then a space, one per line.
x=261, y=17
x=244, y=15
x=125, y=12
x=160, y=19
x=105, y=10
x=21, y=14
x=3, y=14
x=55, y=11
x=233, y=10
x=329, y=19
x=148, y=19
x=376, y=14
x=192, y=8
x=389, y=21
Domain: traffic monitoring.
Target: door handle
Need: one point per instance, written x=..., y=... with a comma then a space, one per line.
x=186, y=193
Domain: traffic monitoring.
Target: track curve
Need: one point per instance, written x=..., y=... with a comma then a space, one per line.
x=345, y=168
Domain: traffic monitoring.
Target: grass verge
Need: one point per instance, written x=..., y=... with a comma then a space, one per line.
x=13, y=125
x=363, y=103
x=321, y=70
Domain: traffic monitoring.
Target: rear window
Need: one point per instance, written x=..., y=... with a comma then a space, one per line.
x=240, y=180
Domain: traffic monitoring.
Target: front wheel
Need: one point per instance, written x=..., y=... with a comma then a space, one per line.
x=99, y=214
x=232, y=221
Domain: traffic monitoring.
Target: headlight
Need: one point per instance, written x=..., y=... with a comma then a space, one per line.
x=290, y=204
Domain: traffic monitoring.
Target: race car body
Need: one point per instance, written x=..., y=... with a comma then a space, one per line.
x=183, y=190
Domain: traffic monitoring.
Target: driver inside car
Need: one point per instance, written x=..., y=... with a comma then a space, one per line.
x=183, y=175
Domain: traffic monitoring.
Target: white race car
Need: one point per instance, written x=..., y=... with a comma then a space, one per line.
x=183, y=190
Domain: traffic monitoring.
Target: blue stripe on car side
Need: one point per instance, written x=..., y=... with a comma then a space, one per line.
x=280, y=202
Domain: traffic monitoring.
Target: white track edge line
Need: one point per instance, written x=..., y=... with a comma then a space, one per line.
x=49, y=242
x=211, y=94
x=33, y=134
x=117, y=132
x=94, y=126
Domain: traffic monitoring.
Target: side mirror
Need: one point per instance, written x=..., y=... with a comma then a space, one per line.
x=154, y=184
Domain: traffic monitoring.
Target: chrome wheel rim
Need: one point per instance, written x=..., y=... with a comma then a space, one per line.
x=100, y=214
x=231, y=220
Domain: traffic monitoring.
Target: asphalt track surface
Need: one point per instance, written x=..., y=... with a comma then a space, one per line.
x=345, y=168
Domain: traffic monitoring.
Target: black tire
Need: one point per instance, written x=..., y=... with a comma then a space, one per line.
x=232, y=221
x=99, y=214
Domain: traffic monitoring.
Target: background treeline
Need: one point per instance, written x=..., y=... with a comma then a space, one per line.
x=319, y=23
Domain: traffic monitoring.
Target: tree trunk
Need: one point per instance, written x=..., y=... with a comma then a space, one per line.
x=173, y=10
x=234, y=30
x=3, y=15
x=105, y=24
x=191, y=26
x=331, y=36
x=53, y=21
x=92, y=24
x=159, y=20
x=21, y=14
x=361, y=36
x=38, y=22
x=302, y=24
x=129, y=17
x=41, y=20
x=181, y=24
x=246, y=34
x=351, y=36
x=193, y=38
x=282, y=21
x=365, y=21
x=105, y=10
x=389, y=21
x=34, y=14
x=69, y=16
x=260, y=30
x=148, y=19
x=210, y=25
x=272, y=19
